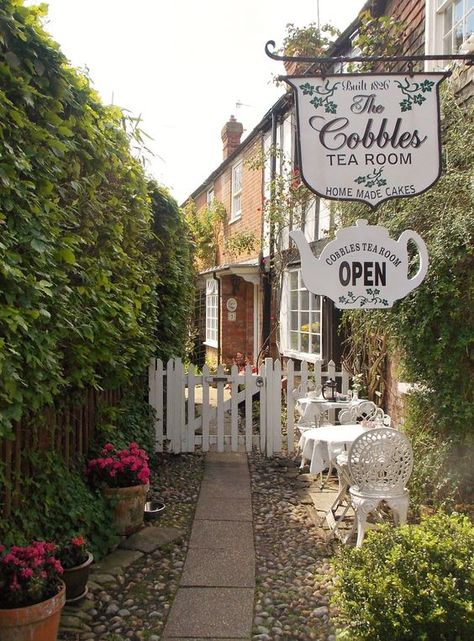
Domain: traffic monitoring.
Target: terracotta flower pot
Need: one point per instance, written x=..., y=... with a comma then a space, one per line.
x=128, y=505
x=76, y=580
x=38, y=622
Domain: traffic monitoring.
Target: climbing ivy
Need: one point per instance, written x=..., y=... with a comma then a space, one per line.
x=432, y=328
x=77, y=279
x=175, y=274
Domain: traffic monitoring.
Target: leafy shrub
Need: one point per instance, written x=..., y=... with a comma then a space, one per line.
x=55, y=503
x=78, y=273
x=412, y=583
x=130, y=421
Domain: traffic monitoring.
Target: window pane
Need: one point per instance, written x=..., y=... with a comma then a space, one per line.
x=294, y=320
x=293, y=280
x=458, y=37
x=316, y=344
x=294, y=340
x=304, y=322
x=470, y=24
x=448, y=20
x=294, y=300
x=304, y=299
x=458, y=10
x=316, y=302
x=305, y=342
x=315, y=327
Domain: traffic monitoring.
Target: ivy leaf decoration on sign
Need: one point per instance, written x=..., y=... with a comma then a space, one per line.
x=411, y=91
x=322, y=95
x=374, y=178
x=372, y=297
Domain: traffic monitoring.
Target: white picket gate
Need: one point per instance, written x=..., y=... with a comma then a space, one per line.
x=229, y=411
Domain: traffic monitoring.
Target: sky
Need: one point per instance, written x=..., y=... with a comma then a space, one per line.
x=184, y=66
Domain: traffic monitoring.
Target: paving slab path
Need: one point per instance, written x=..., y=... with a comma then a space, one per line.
x=215, y=599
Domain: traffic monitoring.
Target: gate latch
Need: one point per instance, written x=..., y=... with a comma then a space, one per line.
x=218, y=379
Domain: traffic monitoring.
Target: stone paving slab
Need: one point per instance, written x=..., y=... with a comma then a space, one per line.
x=116, y=562
x=218, y=613
x=224, y=509
x=219, y=568
x=225, y=458
x=150, y=538
x=221, y=534
x=224, y=489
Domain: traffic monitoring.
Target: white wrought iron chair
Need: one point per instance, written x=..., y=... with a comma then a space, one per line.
x=380, y=462
x=365, y=410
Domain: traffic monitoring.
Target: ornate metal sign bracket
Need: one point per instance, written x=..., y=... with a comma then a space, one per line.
x=325, y=64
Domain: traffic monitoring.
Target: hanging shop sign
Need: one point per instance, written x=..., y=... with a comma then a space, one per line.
x=362, y=267
x=369, y=137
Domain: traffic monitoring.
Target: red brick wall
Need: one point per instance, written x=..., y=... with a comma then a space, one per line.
x=237, y=336
x=411, y=14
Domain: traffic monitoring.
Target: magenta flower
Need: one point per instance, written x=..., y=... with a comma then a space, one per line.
x=28, y=574
x=119, y=468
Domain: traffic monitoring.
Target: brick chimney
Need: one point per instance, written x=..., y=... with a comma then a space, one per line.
x=231, y=134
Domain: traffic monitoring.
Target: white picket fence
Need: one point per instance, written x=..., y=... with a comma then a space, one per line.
x=202, y=409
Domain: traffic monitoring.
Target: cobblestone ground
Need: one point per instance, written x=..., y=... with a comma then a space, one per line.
x=294, y=577
x=293, y=574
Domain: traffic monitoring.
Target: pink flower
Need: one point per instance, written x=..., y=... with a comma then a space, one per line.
x=120, y=468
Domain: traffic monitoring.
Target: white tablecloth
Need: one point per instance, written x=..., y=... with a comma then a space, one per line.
x=310, y=408
x=321, y=445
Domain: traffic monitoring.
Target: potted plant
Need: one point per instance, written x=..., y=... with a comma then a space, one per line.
x=123, y=476
x=76, y=560
x=32, y=593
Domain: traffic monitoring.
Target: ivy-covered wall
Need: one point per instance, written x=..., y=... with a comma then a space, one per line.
x=95, y=278
x=432, y=328
x=77, y=281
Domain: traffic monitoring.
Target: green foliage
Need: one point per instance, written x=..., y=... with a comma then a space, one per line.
x=377, y=36
x=413, y=583
x=432, y=328
x=77, y=284
x=240, y=243
x=205, y=226
x=308, y=41
x=175, y=274
x=130, y=421
x=56, y=503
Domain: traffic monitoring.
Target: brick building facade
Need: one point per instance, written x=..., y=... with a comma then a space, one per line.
x=270, y=312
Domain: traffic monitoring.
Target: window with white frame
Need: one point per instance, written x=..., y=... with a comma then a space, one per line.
x=458, y=23
x=449, y=23
x=236, y=210
x=212, y=302
x=303, y=318
x=210, y=197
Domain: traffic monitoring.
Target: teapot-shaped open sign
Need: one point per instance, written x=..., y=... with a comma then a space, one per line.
x=362, y=267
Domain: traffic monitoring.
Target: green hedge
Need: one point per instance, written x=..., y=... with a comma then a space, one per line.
x=77, y=279
x=413, y=583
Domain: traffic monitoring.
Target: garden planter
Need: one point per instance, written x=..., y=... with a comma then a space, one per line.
x=38, y=622
x=128, y=505
x=76, y=580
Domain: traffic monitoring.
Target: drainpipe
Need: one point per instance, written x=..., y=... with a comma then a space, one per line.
x=267, y=279
x=217, y=279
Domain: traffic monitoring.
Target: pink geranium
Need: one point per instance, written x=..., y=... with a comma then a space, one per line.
x=28, y=574
x=119, y=468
